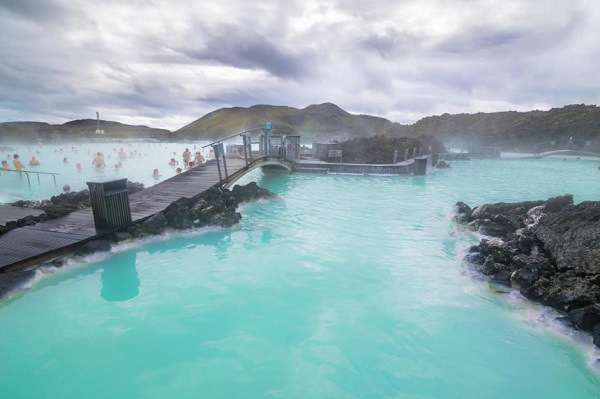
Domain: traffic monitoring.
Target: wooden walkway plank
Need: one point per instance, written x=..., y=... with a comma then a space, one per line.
x=29, y=245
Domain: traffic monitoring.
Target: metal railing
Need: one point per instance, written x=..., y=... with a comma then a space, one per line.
x=284, y=147
x=219, y=149
x=27, y=172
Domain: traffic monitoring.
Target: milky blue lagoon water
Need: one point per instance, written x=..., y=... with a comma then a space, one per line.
x=342, y=287
x=142, y=159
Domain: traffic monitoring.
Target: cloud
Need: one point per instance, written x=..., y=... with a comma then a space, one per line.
x=168, y=63
x=42, y=11
x=230, y=45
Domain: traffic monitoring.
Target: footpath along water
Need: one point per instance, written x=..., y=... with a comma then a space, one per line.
x=342, y=287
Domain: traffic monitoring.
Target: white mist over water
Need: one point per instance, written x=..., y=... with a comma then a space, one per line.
x=142, y=159
x=343, y=286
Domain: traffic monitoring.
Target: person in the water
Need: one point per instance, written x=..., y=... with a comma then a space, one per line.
x=17, y=163
x=98, y=161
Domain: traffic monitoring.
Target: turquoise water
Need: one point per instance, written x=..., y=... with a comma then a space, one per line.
x=342, y=287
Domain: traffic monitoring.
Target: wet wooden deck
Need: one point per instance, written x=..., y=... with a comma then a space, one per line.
x=9, y=213
x=29, y=245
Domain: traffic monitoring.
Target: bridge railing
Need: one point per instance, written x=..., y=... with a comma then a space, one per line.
x=281, y=146
x=28, y=172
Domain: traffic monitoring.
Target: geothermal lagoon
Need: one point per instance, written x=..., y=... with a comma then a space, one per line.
x=341, y=287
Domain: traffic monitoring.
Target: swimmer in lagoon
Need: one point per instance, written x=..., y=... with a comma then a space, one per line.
x=199, y=159
x=186, y=156
x=17, y=163
x=98, y=161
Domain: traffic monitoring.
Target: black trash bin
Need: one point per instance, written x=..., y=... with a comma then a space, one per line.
x=422, y=165
x=110, y=203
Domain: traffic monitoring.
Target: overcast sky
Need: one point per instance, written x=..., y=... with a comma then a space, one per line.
x=166, y=63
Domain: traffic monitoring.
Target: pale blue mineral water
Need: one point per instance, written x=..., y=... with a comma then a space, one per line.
x=341, y=287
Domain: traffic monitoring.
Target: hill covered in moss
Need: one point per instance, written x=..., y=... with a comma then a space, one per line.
x=314, y=123
x=537, y=130
x=576, y=126
x=83, y=129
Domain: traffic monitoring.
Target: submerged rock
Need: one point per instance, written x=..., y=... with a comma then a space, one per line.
x=549, y=249
x=442, y=165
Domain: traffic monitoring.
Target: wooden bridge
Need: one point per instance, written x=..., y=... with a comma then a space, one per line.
x=30, y=245
x=26, y=246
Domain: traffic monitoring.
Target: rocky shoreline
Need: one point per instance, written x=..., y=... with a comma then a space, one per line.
x=58, y=206
x=549, y=250
x=213, y=207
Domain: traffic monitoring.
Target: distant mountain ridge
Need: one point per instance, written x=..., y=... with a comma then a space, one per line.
x=575, y=125
x=77, y=129
x=315, y=122
x=578, y=125
x=533, y=130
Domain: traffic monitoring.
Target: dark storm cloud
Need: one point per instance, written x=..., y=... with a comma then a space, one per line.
x=39, y=11
x=391, y=43
x=247, y=49
x=480, y=41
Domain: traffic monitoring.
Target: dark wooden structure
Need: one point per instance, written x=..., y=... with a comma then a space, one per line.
x=29, y=245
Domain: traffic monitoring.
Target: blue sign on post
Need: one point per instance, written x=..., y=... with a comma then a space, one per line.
x=219, y=151
x=268, y=125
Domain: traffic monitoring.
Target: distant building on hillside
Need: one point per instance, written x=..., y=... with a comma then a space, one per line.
x=98, y=130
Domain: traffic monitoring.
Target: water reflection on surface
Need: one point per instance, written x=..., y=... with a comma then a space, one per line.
x=120, y=280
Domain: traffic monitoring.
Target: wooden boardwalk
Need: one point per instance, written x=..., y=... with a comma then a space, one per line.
x=29, y=245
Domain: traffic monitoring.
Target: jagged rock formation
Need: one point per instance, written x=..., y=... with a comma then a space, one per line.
x=549, y=250
x=380, y=150
x=213, y=207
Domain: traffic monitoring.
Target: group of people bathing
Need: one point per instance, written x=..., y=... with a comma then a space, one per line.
x=18, y=165
x=188, y=162
x=99, y=162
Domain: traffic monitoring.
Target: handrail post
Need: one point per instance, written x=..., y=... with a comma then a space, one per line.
x=268, y=139
x=220, y=153
x=245, y=140
x=219, y=169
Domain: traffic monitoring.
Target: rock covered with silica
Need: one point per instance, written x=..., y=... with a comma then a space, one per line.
x=213, y=207
x=550, y=250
